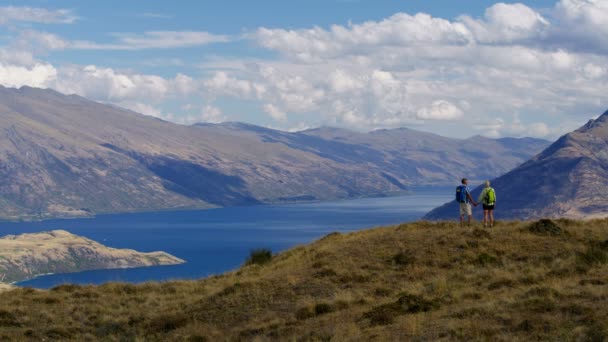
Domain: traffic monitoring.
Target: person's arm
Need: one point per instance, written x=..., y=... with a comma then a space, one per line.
x=471, y=199
x=482, y=194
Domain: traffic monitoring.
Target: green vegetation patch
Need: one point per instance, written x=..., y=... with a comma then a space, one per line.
x=595, y=254
x=545, y=227
x=8, y=319
x=259, y=256
x=406, y=304
x=403, y=258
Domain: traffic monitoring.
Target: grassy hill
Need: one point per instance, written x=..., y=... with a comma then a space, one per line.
x=420, y=281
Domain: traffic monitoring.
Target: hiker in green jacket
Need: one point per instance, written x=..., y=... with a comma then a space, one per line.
x=488, y=200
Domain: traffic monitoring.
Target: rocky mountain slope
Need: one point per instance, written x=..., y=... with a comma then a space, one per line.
x=68, y=156
x=568, y=179
x=25, y=256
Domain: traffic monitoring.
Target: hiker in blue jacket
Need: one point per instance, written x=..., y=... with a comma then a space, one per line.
x=464, y=199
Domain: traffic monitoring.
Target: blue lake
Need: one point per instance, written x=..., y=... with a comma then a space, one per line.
x=218, y=240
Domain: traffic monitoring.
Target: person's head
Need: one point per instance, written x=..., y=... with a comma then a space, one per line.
x=465, y=181
x=487, y=183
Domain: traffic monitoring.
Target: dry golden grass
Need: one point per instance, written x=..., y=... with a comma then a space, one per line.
x=519, y=281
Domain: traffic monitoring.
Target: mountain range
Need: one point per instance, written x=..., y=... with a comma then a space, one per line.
x=64, y=155
x=568, y=179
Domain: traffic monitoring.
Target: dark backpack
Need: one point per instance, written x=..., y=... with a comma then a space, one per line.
x=461, y=194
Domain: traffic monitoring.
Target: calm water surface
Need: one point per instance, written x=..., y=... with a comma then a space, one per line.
x=218, y=240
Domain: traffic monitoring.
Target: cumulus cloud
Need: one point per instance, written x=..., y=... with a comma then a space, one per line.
x=400, y=29
x=440, y=110
x=581, y=25
x=418, y=69
x=505, y=23
x=406, y=69
x=39, y=75
x=275, y=112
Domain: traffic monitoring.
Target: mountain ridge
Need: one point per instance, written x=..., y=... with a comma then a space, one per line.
x=26, y=256
x=65, y=156
x=567, y=179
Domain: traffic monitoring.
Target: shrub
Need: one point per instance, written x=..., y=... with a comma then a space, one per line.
x=406, y=304
x=323, y=308
x=594, y=255
x=485, y=259
x=481, y=234
x=382, y=292
x=168, y=322
x=8, y=319
x=259, y=256
x=325, y=272
x=304, y=313
x=596, y=333
x=545, y=227
x=58, y=333
x=403, y=259
x=66, y=288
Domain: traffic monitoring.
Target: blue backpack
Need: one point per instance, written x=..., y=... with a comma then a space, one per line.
x=461, y=194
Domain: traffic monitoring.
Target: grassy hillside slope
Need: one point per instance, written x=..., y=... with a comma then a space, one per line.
x=421, y=281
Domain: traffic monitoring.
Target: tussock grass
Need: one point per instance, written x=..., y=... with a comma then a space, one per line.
x=417, y=281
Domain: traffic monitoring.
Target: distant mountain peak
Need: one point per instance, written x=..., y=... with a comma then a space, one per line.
x=568, y=179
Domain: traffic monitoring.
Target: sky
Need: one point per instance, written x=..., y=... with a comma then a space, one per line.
x=455, y=68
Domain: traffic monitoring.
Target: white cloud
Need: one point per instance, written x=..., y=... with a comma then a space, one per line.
x=275, y=112
x=440, y=110
x=392, y=72
x=38, y=75
x=212, y=114
x=402, y=70
x=9, y=14
x=581, y=25
x=43, y=41
x=504, y=23
x=400, y=29
x=153, y=40
x=143, y=109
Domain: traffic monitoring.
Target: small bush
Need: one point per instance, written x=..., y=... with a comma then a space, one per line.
x=68, y=288
x=58, y=333
x=382, y=292
x=495, y=285
x=539, y=304
x=304, y=313
x=323, y=308
x=406, y=304
x=481, y=234
x=168, y=322
x=545, y=227
x=259, y=256
x=381, y=315
x=8, y=319
x=403, y=259
x=230, y=289
x=485, y=259
x=325, y=272
x=594, y=255
x=596, y=333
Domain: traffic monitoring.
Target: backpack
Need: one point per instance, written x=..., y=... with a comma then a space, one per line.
x=461, y=194
x=490, y=197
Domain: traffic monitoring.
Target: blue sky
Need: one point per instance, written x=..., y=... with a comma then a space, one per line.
x=535, y=68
